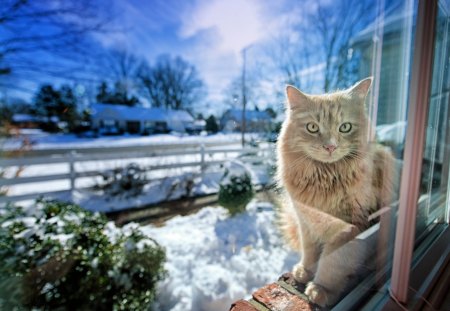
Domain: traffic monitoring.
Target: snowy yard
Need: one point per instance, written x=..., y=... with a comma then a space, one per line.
x=214, y=259
x=42, y=141
x=175, y=180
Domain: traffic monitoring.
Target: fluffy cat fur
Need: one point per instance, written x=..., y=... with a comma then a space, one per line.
x=334, y=179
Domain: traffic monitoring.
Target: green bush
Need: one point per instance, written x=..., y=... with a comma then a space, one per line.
x=58, y=256
x=236, y=191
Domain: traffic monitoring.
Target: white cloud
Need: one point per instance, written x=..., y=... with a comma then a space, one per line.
x=221, y=30
x=236, y=24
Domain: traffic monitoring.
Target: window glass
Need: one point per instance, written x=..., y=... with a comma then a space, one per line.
x=385, y=49
x=434, y=199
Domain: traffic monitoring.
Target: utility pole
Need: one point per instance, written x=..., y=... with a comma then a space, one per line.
x=244, y=95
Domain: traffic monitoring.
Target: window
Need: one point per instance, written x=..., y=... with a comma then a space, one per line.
x=434, y=200
x=207, y=61
x=422, y=225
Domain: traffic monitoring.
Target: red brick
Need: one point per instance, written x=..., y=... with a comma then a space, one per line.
x=289, y=279
x=242, y=305
x=276, y=298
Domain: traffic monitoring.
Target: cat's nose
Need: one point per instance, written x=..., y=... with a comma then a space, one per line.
x=330, y=148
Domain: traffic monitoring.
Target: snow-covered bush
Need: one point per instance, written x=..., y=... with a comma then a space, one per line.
x=128, y=181
x=58, y=256
x=236, y=189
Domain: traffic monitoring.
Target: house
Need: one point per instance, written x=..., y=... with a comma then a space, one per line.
x=255, y=121
x=392, y=66
x=23, y=120
x=116, y=119
x=197, y=127
x=391, y=117
x=28, y=121
x=179, y=120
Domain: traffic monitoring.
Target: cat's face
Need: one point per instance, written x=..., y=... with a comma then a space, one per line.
x=329, y=127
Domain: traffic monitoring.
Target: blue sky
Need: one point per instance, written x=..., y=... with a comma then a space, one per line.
x=209, y=34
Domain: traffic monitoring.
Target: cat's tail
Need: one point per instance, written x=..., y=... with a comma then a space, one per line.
x=287, y=223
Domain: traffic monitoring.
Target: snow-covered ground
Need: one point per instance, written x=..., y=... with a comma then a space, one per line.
x=214, y=259
x=164, y=185
x=42, y=140
x=165, y=189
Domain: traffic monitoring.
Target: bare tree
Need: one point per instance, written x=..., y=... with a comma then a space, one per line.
x=232, y=94
x=171, y=83
x=335, y=25
x=291, y=51
x=320, y=41
x=41, y=39
x=121, y=68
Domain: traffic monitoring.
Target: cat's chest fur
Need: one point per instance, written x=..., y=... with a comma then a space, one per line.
x=342, y=189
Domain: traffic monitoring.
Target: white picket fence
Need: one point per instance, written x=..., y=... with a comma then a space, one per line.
x=201, y=157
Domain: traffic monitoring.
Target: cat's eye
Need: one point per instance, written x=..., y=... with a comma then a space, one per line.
x=312, y=127
x=345, y=127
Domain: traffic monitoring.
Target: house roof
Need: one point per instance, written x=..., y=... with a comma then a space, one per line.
x=180, y=115
x=23, y=117
x=126, y=113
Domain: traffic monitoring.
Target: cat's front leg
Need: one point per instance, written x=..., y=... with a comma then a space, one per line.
x=339, y=259
x=304, y=271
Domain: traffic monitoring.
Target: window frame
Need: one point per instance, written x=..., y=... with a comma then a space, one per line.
x=419, y=94
x=419, y=268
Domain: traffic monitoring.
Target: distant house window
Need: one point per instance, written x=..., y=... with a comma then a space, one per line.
x=133, y=127
x=109, y=127
x=109, y=123
x=155, y=126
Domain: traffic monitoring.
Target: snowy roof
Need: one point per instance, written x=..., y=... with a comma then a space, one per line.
x=180, y=115
x=122, y=112
x=236, y=114
x=200, y=122
x=22, y=117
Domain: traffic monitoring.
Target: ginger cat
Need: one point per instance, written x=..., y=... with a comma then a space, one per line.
x=334, y=179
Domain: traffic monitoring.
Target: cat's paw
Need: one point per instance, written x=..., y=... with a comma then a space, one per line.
x=351, y=231
x=316, y=294
x=301, y=274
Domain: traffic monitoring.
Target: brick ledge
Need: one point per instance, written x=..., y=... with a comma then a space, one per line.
x=284, y=295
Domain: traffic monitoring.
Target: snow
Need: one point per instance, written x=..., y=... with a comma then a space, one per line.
x=393, y=132
x=164, y=189
x=70, y=141
x=126, y=113
x=235, y=168
x=214, y=259
x=121, y=112
x=162, y=185
x=22, y=117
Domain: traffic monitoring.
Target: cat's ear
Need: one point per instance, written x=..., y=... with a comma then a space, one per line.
x=295, y=97
x=361, y=88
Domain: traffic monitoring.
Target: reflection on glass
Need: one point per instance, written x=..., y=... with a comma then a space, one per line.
x=434, y=199
x=382, y=49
